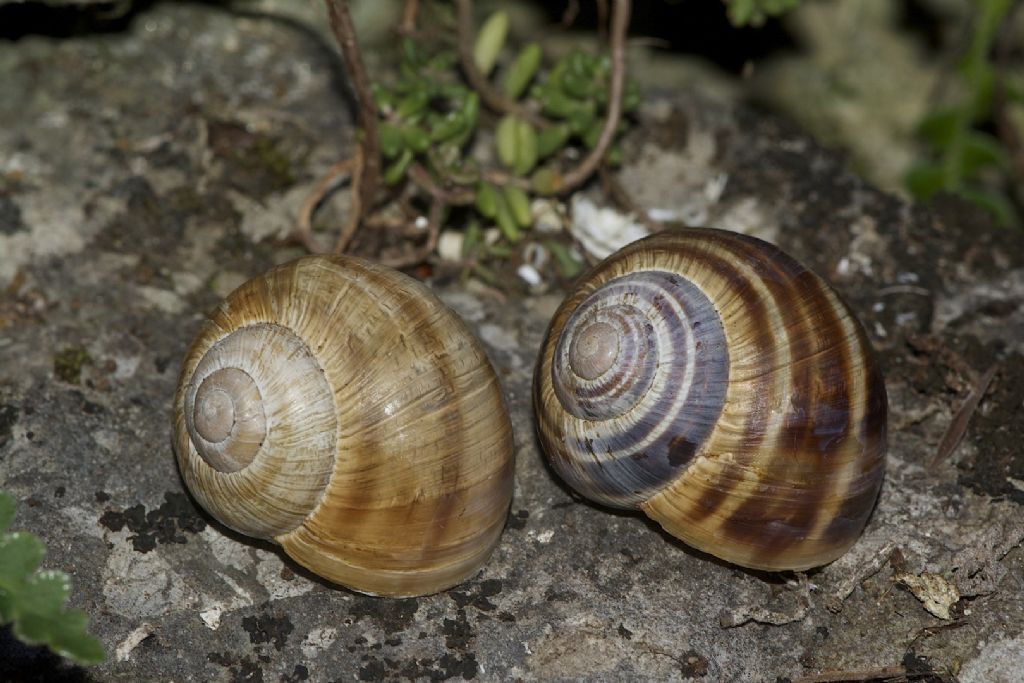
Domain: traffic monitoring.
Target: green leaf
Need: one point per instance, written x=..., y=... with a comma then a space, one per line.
x=20, y=554
x=545, y=181
x=474, y=235
x=391, y=140
x=939, y=127
x=415, y=138
x=396, y=171
x=981, y=150
x=447, y=127
x=45, y=592
x=526, y=147
x=577, y=85
x=505, y=140
x=471, y=109
x=413, y=104
x=754, y=12
x=581, y=118
x=924, y=180
x=522, y=70
x=557, y=103
x=519, y=205
x=551, y=139
x=7, y=508
x=486, y=200
x=506, y=221
x=384, y=100
x=489, y=42
x=569, y=266
x=71, y=639
x=631, y=98
x=6, y=607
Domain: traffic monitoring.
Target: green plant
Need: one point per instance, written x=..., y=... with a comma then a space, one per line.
x=961, y=155
x=754, y=12
x=467, y=125
x=33, y=601
x=430, y=119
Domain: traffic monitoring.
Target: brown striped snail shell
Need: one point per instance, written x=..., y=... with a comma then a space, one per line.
x=710, y=380
x=339, y=409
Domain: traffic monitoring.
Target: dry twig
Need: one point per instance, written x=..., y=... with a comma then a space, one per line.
x=421, y=176
x=428, y=246
x=958, y=426
x=304, y=225
x=410, y=12
x=345, y=33
x=577, y=176
x=885, y=673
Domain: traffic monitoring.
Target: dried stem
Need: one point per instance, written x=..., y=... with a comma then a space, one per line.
x=355, y=206
x=421, y=176
x=345, y=33
x=620, y=23
x=428, y=246
x=490, y=97
x=885, y=673
x=410, y=12
x=958, y=426
x=304, y=226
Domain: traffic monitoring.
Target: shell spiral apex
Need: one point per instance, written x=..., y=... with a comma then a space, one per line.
x=710, y=380
x=341, y=410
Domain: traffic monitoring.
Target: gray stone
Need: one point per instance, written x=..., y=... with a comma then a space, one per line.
x=131, y=166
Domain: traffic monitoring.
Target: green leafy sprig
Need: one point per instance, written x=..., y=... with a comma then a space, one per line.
x=429, y=118
x=960, y=154
x=33, y=601
x=754, y=12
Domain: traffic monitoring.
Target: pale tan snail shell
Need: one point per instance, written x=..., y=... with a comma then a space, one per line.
x=713, y=382
x=339, y=409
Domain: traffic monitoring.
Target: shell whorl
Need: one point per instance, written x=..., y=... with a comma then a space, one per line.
x=261, y=417
x=761, y=436
x=656, y=389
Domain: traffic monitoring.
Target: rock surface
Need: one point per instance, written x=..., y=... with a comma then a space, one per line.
x=139, y=168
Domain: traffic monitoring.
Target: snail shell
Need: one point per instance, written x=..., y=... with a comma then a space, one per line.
x=339, y=409
x=710, y=380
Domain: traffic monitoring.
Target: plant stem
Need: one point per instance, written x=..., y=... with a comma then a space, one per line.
x=345, y=33
x=577, y=176
x=410, y=11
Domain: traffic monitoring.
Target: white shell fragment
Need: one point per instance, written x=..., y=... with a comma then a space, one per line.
x=602, y=231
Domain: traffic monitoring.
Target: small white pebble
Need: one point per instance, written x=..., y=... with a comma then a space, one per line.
x=715, y=186
x=449, y=245
x=529, y=274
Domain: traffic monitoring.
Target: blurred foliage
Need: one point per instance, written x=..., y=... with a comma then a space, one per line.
x=962, y=155
x=33, y=601
x=754, y=12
